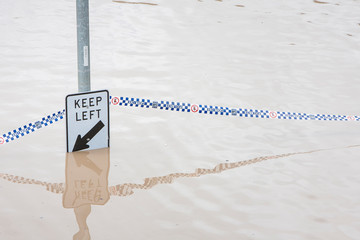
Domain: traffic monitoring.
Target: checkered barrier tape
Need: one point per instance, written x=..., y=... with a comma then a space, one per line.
x=225, y=111
x=179, y=107
x=31, y=127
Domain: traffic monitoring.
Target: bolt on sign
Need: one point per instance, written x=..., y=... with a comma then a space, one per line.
x=87, y=121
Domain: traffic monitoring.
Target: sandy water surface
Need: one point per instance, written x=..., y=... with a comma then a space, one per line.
x=182, y=175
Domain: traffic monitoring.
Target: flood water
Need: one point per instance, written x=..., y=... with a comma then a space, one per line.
x=177, y=175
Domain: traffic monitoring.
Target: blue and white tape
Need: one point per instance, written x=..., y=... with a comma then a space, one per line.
x=179, y=107
x=31, y=127
x=225, y=111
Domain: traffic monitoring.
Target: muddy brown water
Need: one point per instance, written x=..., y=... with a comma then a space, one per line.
x=180, y=175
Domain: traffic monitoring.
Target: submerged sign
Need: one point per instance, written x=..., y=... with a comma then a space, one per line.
x=87, y=121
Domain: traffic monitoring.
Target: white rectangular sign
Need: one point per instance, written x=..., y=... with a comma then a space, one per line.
x=87, y=121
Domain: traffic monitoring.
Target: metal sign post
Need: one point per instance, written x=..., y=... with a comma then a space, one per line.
x=83, y=45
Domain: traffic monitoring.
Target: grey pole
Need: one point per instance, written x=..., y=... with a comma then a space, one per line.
x=83, y=45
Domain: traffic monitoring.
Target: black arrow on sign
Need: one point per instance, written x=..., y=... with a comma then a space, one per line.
x=81, y=142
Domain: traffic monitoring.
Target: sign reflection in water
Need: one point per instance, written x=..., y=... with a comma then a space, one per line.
x=86, y=184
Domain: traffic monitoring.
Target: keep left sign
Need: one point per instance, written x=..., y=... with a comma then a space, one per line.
x=87, y=121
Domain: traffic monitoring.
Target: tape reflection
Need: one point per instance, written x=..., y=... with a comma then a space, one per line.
x=126, y=189
x=86, y=184
x=51, y=187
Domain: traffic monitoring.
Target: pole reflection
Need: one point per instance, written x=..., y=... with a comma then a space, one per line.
x=86, y=184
